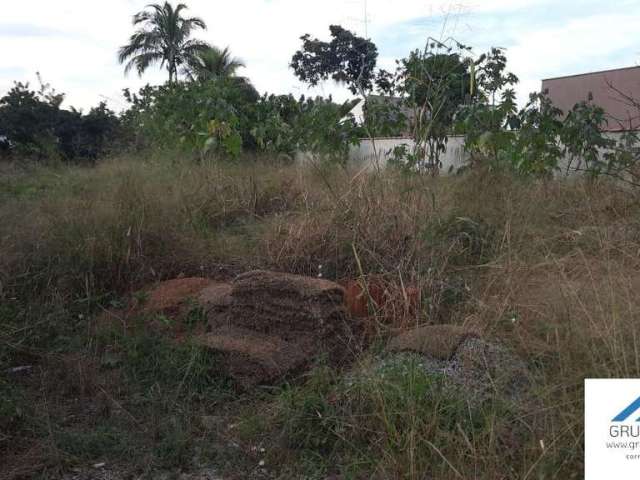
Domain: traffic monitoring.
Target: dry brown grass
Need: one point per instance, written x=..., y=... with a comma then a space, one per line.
x=548, y=268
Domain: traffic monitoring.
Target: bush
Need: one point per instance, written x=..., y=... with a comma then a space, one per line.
x=33, y=125
x=218, y=117
x=194, y=117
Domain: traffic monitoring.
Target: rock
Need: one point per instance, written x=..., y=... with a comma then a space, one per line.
x=489, y=368
x=476, y=366
x=437, y=341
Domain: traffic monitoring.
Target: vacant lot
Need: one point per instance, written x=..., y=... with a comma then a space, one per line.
x=548, y=269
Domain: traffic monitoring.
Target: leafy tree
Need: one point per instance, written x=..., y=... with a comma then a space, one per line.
x=163, y=36
x=491, y=75
x=26, y=121
x=33, y=124
x=215, y=117
x=201, y=117
x=537, y=149
x=284, y=125
x=214, y=63
x=351, y=60
x=384, y=116
x=544, y=138
x=434, y=82
x=100, y=133
x=327, y=129
x=488, y=121
x=274, y=126
x=346, y=59
x=583, y=138
x=590, y=150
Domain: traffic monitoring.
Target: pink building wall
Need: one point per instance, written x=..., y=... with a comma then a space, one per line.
x=565, y=92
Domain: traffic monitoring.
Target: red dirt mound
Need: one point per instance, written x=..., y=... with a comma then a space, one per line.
x=169, y=295
x=377, y=301
x=166, y=304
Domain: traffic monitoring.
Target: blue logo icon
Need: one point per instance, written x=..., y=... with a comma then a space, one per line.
x=628, y=411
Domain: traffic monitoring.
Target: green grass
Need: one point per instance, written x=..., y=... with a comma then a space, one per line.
x=390, y=417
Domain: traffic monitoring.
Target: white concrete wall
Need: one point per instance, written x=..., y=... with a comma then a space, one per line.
x=571, y=166
x=364, y=154
x=454, y=157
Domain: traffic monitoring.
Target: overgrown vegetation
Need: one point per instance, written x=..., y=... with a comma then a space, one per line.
x=206, y=110
x=546, y=267
x=535, y=140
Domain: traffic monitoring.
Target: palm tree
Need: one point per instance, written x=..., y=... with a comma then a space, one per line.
x=214, y=63
x=162, y=37
x=211, y=63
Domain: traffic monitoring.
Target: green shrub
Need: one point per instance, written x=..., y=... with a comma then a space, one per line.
x=33, y=125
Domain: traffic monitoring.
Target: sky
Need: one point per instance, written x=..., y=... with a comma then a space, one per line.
x=73, y=43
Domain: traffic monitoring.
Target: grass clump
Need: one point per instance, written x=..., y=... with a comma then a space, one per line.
x=390, y=418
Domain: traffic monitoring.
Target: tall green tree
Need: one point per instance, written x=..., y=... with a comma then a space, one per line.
x=346, y=59
x=434, y=82
x=163, y=36
x=489, y=121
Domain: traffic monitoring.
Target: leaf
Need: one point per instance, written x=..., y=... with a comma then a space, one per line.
x=209, y=144
x=233, y=144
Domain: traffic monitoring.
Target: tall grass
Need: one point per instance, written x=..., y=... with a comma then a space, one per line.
x=548, y=268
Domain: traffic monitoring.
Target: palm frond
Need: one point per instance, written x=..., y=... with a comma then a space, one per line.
x=209, y=62
x=144, y=60
x=196, y=22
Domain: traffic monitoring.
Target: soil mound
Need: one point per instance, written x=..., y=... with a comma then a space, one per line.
x=250, y=357
x=437, y=341
x=268, y=324
x=283, y=304
x=215, y=298
x=263, y=325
